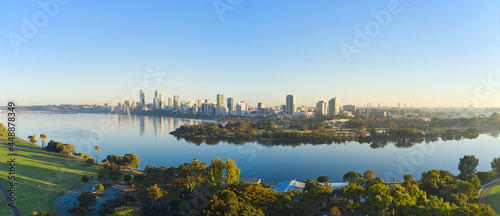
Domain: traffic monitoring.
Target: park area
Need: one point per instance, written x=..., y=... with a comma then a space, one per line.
x=494, y=199
x=41, y=177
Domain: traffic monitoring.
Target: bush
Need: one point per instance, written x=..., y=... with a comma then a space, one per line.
x=90, y=161
x=85, y=178
x=127, y=178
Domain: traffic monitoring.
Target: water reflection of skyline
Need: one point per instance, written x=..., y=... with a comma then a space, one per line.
x=159, y=123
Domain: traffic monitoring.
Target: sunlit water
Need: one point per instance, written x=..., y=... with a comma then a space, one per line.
x=149, y=139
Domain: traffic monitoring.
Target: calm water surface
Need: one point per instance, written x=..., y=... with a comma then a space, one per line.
x=149, y=139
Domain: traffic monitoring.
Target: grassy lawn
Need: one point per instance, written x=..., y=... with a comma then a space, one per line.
x=41, y=177
x=494, y=199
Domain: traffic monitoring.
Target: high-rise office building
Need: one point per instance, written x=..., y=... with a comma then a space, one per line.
x=260, y=105
x=349, y=107
x=283, y=108
x=230, y=103
x=160, y=100
x=220, y=100
x=170, y=102
x=155, y=100
x=290, y=104
x=333, y=106
x=142, y=98
x=241, y=108
x=176, y=102
x=321, y=108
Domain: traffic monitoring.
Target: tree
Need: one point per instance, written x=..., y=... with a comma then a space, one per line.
x=369, y=175
x=131, y=160
x=90, y=161
x=87, y=199
x=351, y=176
x=99, y=188
x=495, y=164
x=468, y=164
x=232, y=173
x=127, y=178
x=224, y=203
x=156, y=192
x=97, y=150
x=351, y=196
x=322, y=179
x=85, y=178
x=32, y=139
x=43, y=137
x=190, y=175
x=334, y=211
x=109, y=171
x=215, y=174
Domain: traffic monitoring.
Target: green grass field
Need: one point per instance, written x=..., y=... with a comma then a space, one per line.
x=494, y=199
x=41, y=177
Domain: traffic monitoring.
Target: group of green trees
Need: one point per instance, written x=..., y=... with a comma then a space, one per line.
x=130, y=161
x=213, y=130
x=59, y=147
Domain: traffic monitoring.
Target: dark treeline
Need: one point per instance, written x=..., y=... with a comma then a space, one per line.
x=266, y=133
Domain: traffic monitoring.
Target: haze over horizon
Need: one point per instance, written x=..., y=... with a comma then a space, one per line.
x=429, y=54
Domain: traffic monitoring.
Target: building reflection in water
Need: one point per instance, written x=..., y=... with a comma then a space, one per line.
x=158, y=126
x=142, y=119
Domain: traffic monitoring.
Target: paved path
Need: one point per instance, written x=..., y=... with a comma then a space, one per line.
x=5, y=195
x=68, y=200
x=487, y=190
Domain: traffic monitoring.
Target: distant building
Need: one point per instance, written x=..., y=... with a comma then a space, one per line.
x=349, y=108
x=221, y=111
x=160, y=100
x=333, y=106
x=220, y=100
x=176, y=102
x=170, y=102
x=302, y=114
x=142, y=98
x=321, y=108
x=230, y=103
x=290, y=104
x=260, y=105
x=241, y=109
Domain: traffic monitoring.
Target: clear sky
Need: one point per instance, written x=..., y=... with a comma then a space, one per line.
x=428, y=53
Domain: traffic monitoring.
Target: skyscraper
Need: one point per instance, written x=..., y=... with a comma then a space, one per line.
x=220, y=100
x=155, y=100
x=160, y=100
x=230, y=103
x=321, y=108
x=142, y=98
x=176, y=102
x=290, y=104
x=170, y=102
x=333, y=106
x=260, y=105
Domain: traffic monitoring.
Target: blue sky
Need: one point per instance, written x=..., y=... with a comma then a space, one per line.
x=430, y=53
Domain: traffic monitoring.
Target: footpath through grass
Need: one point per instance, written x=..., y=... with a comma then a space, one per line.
x=494, y=199
x=41, y=177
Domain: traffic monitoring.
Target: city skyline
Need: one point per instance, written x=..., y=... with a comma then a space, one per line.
x=380, y=52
